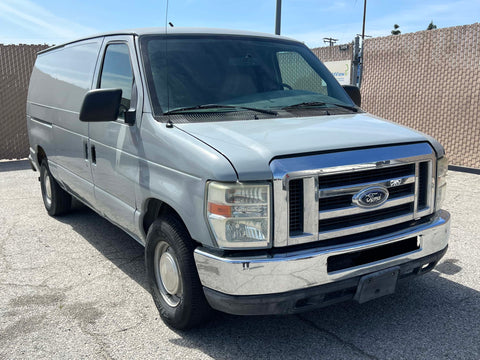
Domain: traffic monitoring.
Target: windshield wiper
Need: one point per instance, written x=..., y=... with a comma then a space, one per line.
x=218, y=106
x=348, y=107
x=304, y=105
x=320, y=104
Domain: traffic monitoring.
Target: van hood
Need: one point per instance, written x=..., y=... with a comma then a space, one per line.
x=250, y=145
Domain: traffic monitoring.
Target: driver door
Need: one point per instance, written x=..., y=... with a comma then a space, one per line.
x=113, y=145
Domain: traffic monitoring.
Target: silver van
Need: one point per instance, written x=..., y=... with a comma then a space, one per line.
x=254, y=181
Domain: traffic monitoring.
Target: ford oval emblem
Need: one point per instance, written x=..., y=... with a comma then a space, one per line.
x=370, y=197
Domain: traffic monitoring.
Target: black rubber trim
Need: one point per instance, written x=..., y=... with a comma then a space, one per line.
x=366, y=256
x=307, y=299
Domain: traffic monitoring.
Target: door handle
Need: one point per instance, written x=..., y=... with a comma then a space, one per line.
x=94, y=154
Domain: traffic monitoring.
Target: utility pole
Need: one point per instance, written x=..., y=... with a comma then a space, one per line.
x=356, y=60
x=363, y=39
x=278, y=17
x=364, y=16
x=330, y=41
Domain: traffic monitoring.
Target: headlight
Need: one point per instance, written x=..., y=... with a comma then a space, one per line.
x=239, y=214
x=442, y=168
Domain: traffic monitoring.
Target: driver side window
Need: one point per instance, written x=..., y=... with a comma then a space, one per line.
x=117, y=74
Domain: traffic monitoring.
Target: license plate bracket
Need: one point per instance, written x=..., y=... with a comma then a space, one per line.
x=377, y=284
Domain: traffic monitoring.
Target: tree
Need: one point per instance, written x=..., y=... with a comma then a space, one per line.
x=395, y=30
x=431, y=26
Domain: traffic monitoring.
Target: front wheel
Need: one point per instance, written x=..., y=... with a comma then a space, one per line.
x=172, y=275
x=56, y=200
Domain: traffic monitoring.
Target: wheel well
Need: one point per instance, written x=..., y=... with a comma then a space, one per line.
x=156, y=208
x=40, y=155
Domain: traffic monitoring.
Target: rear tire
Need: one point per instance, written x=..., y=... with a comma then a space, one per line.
x=172, y=275
x=56, y=200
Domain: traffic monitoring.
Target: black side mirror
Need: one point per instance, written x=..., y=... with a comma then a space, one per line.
x=101, y=105
x=354, y=93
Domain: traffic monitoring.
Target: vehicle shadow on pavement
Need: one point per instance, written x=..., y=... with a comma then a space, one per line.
x=428, y=317
x=113, y=243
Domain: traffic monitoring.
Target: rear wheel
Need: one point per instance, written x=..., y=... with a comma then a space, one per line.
x=172, y=274
x=56, y=200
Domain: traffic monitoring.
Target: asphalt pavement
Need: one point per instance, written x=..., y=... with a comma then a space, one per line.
x=74, y=287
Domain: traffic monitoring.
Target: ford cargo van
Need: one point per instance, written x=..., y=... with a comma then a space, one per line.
x=254, y=181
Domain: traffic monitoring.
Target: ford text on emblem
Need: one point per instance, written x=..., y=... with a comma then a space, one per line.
x=370, y=197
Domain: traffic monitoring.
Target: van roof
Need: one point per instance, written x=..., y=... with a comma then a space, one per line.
x=173, y=30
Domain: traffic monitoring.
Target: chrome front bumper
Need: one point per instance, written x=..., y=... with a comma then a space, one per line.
x=299, y=270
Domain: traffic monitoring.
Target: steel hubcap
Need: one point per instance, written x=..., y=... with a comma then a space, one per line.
x=167, y=274
x=48, y=188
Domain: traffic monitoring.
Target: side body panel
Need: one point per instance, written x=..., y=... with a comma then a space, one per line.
x=174, y=169
x=59, y=81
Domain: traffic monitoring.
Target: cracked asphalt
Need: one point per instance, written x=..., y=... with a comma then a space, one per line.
x=74, y=288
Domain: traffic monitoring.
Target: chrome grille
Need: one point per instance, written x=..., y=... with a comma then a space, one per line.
x=366, y=176
x=339, y=217
x=423, y=185
x=295, y=197
x=319, y=201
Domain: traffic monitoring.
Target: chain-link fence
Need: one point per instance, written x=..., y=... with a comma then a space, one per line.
x=427, y=80
x=430, y=81
x=16, y=63
x=334, y=53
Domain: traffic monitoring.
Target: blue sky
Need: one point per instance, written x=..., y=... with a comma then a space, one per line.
x=57, y=21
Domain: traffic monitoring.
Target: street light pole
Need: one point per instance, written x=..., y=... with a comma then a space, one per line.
x=278, y=18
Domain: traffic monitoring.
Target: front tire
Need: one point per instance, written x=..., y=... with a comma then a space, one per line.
x=56, y=200
x=173, y=276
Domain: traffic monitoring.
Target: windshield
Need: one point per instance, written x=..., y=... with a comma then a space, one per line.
x=191, y=73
